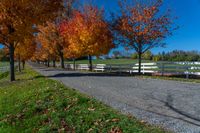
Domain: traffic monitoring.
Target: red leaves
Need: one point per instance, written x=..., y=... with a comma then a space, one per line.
x=143, y=25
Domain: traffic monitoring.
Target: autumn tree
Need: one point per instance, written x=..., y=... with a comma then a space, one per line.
x=49, y=34
x=21, y=17
x=142, y=26
x=88, y=33
x=70, y=52
x=51, y=40
x=25, y=51
x=70, y=48
x=41, y=54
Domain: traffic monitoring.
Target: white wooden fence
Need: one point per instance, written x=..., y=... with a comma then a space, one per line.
x=145, y=68
x=188, y=63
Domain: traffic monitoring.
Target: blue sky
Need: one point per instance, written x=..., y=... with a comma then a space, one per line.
x=187, y=37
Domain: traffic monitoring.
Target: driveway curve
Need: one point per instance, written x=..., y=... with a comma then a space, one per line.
x=170, y=104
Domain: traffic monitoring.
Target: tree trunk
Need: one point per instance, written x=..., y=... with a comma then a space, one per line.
x=48, y=65
x=139, y=58
x=23, y=64
x=19, y=63
x=140, y=62
x=62, y=60
x=90, y=63
x=74, y=61
x=54, y=63
x=12, y=63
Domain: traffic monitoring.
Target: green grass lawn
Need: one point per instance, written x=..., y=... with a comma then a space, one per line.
x=107, y=61
x=36, y=104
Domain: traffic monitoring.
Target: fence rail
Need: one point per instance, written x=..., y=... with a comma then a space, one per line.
x=179, y=68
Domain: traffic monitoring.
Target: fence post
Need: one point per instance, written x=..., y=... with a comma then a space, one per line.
x=163, y=68
x=143, y=69
x=120, y=69
x=110, y=67
x=187, y=72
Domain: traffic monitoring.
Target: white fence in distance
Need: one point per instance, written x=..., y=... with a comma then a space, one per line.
x=191, y=68
x=145, y=68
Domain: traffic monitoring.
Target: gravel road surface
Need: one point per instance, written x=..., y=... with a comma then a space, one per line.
x=169, y=104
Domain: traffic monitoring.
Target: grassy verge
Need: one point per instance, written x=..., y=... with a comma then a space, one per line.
x=37, y=104
x=3, y=75
x=181, y=79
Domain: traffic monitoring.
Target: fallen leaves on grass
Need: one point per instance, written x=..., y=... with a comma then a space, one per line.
x=143, y=122
x=65, y=128
x=91, y=109
x=90, y=130
x=115, y=130
x=113, y=120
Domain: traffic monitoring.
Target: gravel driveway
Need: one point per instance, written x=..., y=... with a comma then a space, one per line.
x=170, y=104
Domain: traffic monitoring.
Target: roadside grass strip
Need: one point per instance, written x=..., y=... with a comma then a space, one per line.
x=34, y=103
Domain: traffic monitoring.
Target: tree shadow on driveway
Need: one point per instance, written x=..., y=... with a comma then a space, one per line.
x=169, y=104
x=167, y=101
x=92, y=74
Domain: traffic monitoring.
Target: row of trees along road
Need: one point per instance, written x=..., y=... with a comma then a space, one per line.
x=19, y=18
x=55, y=29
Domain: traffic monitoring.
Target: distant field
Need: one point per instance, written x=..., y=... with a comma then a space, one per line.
x=107, y=61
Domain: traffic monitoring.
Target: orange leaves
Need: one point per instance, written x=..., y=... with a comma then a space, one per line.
x=26, y=49
x=50, y=40
x=19, y=18
x=88, y=33
x=18, y=23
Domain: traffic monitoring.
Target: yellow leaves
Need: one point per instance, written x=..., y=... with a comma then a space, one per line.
x=26, y=49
